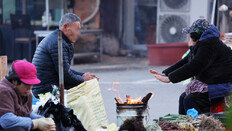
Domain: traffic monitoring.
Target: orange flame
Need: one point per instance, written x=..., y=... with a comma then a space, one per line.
x=128, y=98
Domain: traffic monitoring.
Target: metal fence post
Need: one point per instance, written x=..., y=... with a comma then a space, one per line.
x=61, y=71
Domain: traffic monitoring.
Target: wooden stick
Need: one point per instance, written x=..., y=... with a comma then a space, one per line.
x=128, y=98
x=116, y=100
x=147, y=97
x=119, y=101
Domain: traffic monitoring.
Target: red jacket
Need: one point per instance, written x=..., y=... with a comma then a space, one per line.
x=11, y=101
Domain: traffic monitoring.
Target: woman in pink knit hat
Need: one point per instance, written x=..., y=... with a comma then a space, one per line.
x=16, y=100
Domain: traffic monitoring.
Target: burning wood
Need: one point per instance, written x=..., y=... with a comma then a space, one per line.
x=118, y=100
x=128, y=100
x=133, y=101
x=147, y=97
x=138, y=100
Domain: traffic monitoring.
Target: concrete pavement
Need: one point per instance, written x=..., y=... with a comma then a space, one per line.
x=135, y=80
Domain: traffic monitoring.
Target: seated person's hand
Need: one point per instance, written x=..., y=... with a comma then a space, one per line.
x=87, y=76
x=94, y=76
x=154, y=72
x=44, y=124
x=160, y=77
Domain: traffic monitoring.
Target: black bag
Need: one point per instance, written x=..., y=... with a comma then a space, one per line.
x=63, y=117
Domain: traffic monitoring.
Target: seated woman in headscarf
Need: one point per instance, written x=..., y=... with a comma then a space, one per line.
x=209, y=64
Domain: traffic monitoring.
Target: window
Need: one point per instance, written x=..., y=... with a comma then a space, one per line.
x=35, y=8
x=145, y=21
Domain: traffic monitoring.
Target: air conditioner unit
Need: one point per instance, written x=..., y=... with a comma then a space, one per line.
x=170, y=28
x=174, y=15
x=175, y=5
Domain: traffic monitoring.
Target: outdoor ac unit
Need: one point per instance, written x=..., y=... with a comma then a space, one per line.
x=174, y=15
x=175, y=5
x=170, y=28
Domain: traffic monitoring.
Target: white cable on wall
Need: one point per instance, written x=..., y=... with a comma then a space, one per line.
x=93, y=14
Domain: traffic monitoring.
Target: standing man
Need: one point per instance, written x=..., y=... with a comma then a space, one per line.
x=16, y=100
x=46, y=57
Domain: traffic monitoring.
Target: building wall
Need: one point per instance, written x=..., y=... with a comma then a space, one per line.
x=109, y=16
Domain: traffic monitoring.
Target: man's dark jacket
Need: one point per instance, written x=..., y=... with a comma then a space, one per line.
x=46, y=62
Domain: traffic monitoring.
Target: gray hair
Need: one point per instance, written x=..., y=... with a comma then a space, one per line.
x=68, y=18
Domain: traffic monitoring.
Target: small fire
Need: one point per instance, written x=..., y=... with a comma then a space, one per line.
x=133, y=101
x=138, y=100
x=129, y=100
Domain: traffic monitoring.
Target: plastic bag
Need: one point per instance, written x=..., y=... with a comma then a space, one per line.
x=63, y=117
x=87, y=103
x=192, y=112
x=43, y=98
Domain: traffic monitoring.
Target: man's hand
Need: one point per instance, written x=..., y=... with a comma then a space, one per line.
x=87, y=76
x=44, y=124
x=94, y=76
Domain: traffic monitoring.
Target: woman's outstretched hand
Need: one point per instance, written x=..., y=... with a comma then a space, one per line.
x=156, y=73
x=160, y=77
